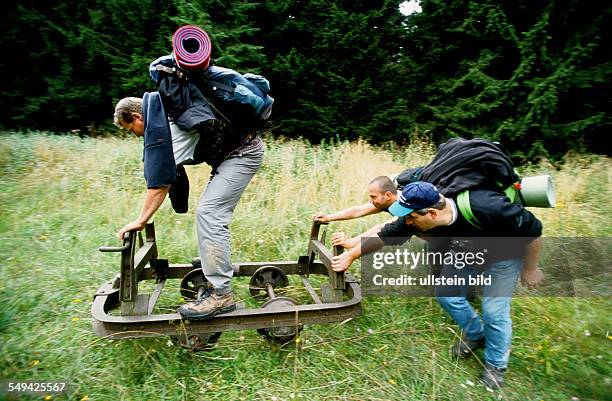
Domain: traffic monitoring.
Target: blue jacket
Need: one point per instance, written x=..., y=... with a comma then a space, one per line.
x=225, y=84
x=159, y=165
x=192, y=103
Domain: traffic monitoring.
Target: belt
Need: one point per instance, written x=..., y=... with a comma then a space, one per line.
x=252, y=141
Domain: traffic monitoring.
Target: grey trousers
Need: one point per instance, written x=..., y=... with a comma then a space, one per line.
x=214, y=214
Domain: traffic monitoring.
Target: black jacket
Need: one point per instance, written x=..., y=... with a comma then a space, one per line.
x=506, y=228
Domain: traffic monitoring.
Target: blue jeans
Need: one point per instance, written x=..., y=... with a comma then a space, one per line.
x=495, y=325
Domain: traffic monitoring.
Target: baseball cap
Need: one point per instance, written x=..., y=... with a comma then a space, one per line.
x=415, y=196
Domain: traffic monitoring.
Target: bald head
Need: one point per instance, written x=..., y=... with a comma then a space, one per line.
x=382, y=192
x=384, y=184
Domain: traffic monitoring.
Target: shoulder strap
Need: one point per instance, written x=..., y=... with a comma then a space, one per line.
x=463, y=204
x=173, y=70
x=218, y=85
x=160, y=67
x=512, y=193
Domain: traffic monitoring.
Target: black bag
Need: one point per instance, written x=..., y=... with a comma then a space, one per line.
x=462, y=164
x=179, y=191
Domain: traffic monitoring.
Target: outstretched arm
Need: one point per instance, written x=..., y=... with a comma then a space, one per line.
x=153, y=200
x=346, y=214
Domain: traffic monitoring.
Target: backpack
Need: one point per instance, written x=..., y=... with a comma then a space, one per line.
x=464, y=164
x=224, y=84
x=248, y=89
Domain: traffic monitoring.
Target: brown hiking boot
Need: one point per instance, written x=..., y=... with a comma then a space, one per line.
x=209, y=305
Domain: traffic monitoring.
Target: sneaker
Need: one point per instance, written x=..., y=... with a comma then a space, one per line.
x=492, y=377
x=465, y=347
x=208, y=306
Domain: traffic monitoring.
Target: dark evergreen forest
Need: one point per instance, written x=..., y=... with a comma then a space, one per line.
x=533, y=74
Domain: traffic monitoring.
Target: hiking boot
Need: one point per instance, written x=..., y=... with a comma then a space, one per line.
x=208, y=306
x=465, y=347
x=492, y=377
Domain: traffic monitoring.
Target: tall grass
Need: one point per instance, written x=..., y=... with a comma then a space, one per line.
x=62, y=197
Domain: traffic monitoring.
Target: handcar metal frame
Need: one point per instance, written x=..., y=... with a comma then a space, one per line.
x=340, y=296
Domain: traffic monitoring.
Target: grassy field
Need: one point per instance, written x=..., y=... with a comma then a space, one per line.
x=62, y=197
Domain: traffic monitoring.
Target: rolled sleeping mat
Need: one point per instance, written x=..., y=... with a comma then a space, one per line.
x=538, y=191
x=191, y=47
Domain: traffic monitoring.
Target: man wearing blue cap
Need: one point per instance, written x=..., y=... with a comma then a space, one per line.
x=426, y=213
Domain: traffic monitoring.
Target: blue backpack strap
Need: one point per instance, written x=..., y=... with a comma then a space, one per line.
x=218, y=85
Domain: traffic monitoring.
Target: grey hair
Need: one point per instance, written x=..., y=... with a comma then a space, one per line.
x=439, y=205
x=124, y=109
x=384, y=183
